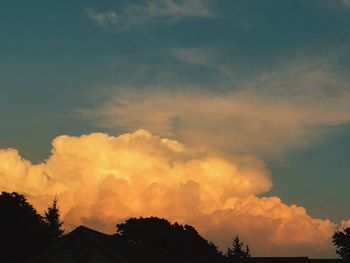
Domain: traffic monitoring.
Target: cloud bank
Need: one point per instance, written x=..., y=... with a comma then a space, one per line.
x=100, y=180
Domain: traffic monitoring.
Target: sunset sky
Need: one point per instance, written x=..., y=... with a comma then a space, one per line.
x=230, y=115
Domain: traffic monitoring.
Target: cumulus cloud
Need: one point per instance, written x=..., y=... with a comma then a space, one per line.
x=101, y=180
x=267, y=114
x=132, y=15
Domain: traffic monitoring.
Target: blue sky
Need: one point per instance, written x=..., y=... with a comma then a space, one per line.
x=64, y=64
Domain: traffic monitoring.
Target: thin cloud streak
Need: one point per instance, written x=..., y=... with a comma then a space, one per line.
x=136, y=15
x=103, y=18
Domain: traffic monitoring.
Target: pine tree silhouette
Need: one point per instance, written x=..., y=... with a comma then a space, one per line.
x=52, y=219
x=239, y=252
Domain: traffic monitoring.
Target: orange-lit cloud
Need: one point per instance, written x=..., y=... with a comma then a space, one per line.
x=100, y=180
x=344, y=224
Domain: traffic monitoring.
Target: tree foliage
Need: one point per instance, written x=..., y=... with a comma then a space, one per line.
x=238, y=252
x=341, y=239
x=52, y=219
x=23, y=232
x=173, y=240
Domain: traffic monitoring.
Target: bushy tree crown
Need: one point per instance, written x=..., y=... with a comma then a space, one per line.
x=341, y=239
x=174, y=240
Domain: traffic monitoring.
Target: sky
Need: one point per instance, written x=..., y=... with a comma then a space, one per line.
x=231, y=115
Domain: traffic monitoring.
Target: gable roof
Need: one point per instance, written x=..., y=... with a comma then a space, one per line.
x=115, y=248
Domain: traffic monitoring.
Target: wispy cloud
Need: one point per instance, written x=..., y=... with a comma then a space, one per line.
x=200, y=56
x=102, y=18
x=208, y=57
x=267, y=114
x=336, y=3
x=346, y=2
x=140, y=14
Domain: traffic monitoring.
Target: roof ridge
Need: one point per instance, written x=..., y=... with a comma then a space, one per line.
x=90, y=234
x=102, y=244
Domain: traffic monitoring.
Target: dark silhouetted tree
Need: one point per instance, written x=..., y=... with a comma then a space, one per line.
x=171, y=240
x=23, y=232
x=341, y=239
x=238, y=252
x=52, y=219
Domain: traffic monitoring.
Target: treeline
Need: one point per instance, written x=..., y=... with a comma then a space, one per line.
x=175, y=241
x=24, y=233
